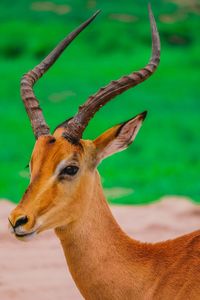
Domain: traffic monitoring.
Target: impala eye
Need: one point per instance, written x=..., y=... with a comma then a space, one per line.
x=69, y=170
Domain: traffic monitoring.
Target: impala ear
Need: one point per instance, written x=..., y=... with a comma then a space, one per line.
x=58, y=132
x=118, y=137
x=60, y=129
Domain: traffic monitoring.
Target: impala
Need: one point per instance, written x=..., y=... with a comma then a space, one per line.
x=65, y=194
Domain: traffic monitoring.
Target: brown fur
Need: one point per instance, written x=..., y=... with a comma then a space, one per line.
x=104, y=262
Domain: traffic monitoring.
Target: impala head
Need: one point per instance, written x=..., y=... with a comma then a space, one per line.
x=63, y=165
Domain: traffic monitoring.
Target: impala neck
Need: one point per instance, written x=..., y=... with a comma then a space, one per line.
x=97, y=250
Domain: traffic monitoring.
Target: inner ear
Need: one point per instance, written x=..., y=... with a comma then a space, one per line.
x=118, y=137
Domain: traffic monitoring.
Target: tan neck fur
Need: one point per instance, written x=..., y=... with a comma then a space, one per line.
x=98, y=253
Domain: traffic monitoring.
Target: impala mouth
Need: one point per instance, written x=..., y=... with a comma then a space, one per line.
x=21, y=235
x=25, y=237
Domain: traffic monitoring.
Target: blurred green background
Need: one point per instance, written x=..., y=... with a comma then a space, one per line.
x=165, y=157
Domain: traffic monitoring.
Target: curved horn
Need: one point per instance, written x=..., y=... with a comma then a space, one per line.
x=28, y=80
x=78, y=123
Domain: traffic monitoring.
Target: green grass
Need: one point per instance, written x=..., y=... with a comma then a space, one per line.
x=164, y=158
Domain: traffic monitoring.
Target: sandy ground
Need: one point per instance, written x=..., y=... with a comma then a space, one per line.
x=37, y=270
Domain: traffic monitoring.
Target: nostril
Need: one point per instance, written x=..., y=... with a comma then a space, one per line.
x=21, y=221
x=10, y=223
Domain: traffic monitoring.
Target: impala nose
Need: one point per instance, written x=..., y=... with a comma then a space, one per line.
x=21, y=221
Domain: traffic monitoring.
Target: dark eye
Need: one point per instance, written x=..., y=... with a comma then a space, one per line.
x=69, y=170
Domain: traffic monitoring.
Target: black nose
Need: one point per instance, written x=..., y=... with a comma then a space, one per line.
x=21, y=221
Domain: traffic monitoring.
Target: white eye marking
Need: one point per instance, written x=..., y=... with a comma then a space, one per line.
x=71, y=165
x=60, y=167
